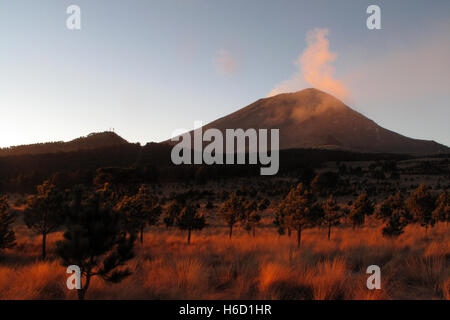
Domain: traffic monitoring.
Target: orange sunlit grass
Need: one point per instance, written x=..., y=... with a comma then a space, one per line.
x=414, y=266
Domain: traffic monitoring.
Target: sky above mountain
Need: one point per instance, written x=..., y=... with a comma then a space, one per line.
x=147, y=68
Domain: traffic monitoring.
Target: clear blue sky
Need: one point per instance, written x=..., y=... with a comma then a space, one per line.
x=147, y=68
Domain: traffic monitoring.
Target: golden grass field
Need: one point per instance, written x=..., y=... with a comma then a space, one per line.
x=413, y=266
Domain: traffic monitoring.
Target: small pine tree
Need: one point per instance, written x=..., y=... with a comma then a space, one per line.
x=385, y=209
x=7, y=237
x=95, y=243
x=45, y=211
x=190, y=219
x=139, y=210
x=232, y=211
x=332, y=214
x=395, y=224
x=251, y=217
x=442, y=211
x=280, y=220
x=421, y=205
x=359, y=209
x=392, y=211
x=171, y=213
x=299, y=210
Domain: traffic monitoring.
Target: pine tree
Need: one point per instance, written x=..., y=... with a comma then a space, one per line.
x=332, y=214
x=359, y=209
x=7, y=237
x=190, y=219
x=171, y=213
x=280, y=220
x=95, y=242
x=421, y=205
x=45, y=211
x=251, y=217
x=385, y=209
x=395, y=225
x=300, y=210
x=232, y=211
x=442, y=211
x=139, y=210
x=393, y=211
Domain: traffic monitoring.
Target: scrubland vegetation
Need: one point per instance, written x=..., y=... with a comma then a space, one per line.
x=306, y=237
x=266, y=267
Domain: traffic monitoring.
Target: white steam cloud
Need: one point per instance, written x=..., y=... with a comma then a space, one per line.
x=314, y=68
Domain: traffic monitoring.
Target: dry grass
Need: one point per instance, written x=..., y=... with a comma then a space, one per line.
x=265, y=267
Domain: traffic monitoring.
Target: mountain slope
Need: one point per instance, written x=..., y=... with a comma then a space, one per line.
x=91, y=141
x=314, y=119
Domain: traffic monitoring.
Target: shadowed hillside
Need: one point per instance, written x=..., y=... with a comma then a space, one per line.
x=91, y=141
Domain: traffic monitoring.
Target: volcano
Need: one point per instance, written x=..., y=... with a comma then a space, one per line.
x=314, y=119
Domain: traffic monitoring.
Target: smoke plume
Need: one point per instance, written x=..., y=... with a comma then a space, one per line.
x=314, y=68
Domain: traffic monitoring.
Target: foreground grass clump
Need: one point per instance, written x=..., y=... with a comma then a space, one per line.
x=413, y=266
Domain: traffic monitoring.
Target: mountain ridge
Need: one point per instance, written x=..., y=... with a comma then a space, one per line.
x=307, y=119
x=91, y=141
x=311, y=118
